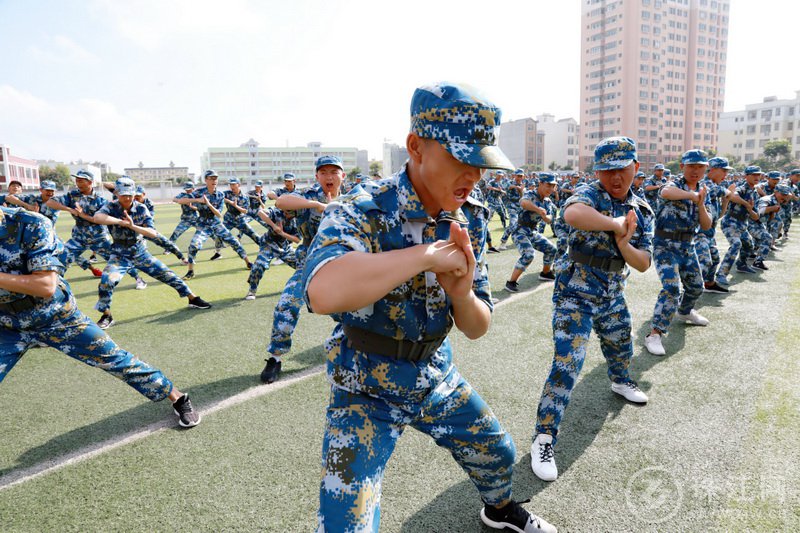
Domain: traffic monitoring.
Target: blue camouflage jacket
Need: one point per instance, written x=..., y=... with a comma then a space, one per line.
x=677, y=215
x=90, y=203
x=126, y=238
x=187, y=213
x=217, y=199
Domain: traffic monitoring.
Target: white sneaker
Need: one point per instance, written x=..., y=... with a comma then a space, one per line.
x=694, y=318
x=140, y=284
x=543, y=462
x=277, y=262
x=653, y=344
x=250, y=296
x=630, y=391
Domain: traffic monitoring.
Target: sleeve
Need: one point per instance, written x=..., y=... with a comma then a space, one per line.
x=344, y=228
x=41, y=247
x=106, y=210
x=761, y=207
x=478, y=230
x=667, y=186
x=65, y=200
x=582, y=195
x=147, y=218
x=644, y=234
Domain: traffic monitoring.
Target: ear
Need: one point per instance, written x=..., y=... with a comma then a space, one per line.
x=636, y=167
x=414, y=146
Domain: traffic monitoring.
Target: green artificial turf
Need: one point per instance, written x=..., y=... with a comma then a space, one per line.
x=714, y=450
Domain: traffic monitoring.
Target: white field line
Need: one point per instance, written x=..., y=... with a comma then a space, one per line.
x=23, y=475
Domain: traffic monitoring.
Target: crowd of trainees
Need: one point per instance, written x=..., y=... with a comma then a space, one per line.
x=397, y=262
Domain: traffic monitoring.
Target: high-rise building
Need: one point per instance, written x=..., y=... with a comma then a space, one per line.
x=15, y=168
x=394, y=157
x=561, y=141
x=653, y=70
x=521, y=141
x=250, y=162
x=743, y=134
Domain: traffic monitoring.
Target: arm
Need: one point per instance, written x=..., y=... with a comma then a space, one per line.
x=272, y=196
x=587, y=218
x=638, y=259
x=126, y=222
x=41, y=284
x=291, y=202
x=11, y=199
x=54, y=204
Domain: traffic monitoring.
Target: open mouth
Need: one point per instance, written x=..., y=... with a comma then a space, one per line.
x=461, y=194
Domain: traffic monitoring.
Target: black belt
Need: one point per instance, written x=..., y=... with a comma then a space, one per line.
x=737, y=216
x=82, y=223
x=18, y=306
x=402, y=350
x=609, y=264
x=675, y=235
x=126, y=243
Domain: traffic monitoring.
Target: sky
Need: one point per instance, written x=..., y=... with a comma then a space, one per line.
x=162, y=80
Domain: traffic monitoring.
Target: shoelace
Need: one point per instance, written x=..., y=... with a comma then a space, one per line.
x=184, y=407
x=545, y=453
x=521, y=516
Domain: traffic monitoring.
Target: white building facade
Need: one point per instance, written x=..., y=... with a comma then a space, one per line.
x=14, y=168
x=561, y=141
x=394, y=157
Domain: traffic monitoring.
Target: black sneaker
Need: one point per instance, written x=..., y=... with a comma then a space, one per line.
x=271, y=371
x=199, y=303
x=93, y=258
x=515, y=518
x=216, y=256
x=187, y=416
x=493, y=250
x=106, y=321
x=717, y=288
x=248, y=265
x=512, y=286
x=760, y=265
x=547, y=276
x=189, y=275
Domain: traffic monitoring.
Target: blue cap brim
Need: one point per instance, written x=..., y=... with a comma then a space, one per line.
x=479, y=155
x=125, y=191
x=613, y=165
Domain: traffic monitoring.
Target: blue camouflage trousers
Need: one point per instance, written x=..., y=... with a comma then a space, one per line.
x=763, y=239
x=94, y=238
x=287, y=310
x=136, y=257
x=513, y=217
x=167, y=245
x=183, y=226
x=361, y=433
x=681, y=280
x=495, y=205
x=707, y=256
x=215, y=229
x=740, y=244
x=265, y=256
x=527, y=240
x=240, y=223
x=574, y=317
x=61, y=325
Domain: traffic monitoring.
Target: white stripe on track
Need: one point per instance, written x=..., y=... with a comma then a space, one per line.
x=16, y=477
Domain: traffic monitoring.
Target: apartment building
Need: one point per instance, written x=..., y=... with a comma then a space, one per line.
x=744, y=133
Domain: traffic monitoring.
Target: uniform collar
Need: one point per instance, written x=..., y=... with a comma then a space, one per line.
x=630, y=199
x=411, y=207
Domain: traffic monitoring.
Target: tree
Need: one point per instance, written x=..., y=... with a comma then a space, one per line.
x=59, y=174
x=674, y=166
x=777, y=154
x=552, y=165
x=352, y=173
x=375, y=167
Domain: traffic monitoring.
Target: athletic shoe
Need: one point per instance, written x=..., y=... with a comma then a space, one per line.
x=96, y=272
x=716, y=287
x=514, y=517
x=773, y=248
x=502, y=247
x=248, y=265
x=630, y=391
x=543, y=461
x=751, y=256
x=189, y=275
x=271, y=371
x=512, y=286
x=93, y=258
x=185, y=261
x=277, y=262
x=493, y=250
x=760, y=265
x=722, y=281
x=495, y=301
x=216, y=256
x=167, y=252
x=199, y=303
x=251, y=295
x=693, y=317
x=187, y=416
x=653, y=344
x=745, y=269
x=140, y=284
x=106, y=321
x=547, y=276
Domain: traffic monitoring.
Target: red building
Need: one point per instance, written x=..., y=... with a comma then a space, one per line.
x=13, y=168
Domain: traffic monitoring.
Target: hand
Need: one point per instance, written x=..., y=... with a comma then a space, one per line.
x=457, y=283
x=620, y=226
x=701, y=195
x=320, y=207
x=631, y=223
x=206, y=201
x=35, y=208
x=125, y=221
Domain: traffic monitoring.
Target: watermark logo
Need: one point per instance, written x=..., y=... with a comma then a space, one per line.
x=653, y=494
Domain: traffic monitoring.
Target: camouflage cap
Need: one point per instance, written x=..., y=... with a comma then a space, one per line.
x=84, y=175
x=48, y=185
x=783, y=188
x=124, y=186
x=546, y=177
x=210, y=173
x=519, y=172
x=614, y=153
x=259, y=183
x=464, y=122
x=233, y=181
x=667, y=172
x=719, y=162
x=139, y=189
x=659, y=166
x=327, y=160
x=289, y=176
x=774, y=175
x=752, y=169
x=694, y=157
x=793, y=172
x=188, y=185
x=640, y=174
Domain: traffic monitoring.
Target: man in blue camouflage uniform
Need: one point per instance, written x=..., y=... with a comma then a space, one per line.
x=637, y=187
x=309, y=205
x=129, y=221
x=705, y=243
x=734, y=225
x=14, y=188
x=768, y=207
x=653, y=184
x=681, y=212
x=188, y=213
x=273, y=243
x=515, y=187
x=235, y=216
x=611, y=228
x=37, y=307
x=775, y=222
x=793, y=182
x=495, y=191
x=288, y=186
x=83, y=200
x=406, y=256
x=536, y=206
x=209, y=201
x=36, y=202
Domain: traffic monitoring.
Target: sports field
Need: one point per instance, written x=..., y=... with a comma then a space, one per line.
x=716, y=449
